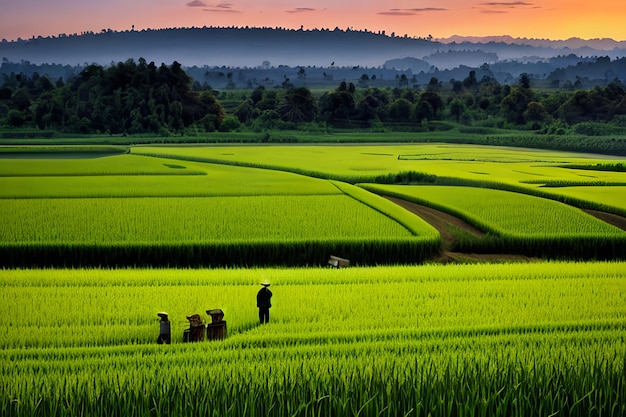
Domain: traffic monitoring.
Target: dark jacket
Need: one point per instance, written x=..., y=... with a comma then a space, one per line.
x=263, y=298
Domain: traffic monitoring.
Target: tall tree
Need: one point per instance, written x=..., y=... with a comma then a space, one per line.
x=298, y=106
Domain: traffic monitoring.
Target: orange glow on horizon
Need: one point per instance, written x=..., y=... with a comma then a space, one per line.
x=552, y=19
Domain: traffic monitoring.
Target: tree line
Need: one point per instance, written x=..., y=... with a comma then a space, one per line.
x=142, y=98
x=127, y=98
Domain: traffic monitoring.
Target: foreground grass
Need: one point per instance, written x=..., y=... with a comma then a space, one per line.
x=514, y=339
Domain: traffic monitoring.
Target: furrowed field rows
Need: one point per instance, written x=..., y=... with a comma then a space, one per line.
x=374, y=341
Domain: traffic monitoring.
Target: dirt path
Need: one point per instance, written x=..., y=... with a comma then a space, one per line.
x=614, y=219
x=444, y=221
x=438, y=219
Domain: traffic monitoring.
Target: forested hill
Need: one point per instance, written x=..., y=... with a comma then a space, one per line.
x=251, y=47
x=219, y=46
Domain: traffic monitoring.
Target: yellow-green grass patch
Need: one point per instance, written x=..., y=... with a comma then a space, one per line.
x=354, y=162
x=193, y=219
x=606, y=196
x=217, y=180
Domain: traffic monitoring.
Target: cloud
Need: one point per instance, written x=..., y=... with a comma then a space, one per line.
x=429, y=9
x=301, y=10
x=410, y=12
x=503, y=7
x=220, y=8
x=396, y=12
x=507, y=4
x=196, y=3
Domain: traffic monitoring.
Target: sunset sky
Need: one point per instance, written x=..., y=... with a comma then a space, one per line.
x=553, y=19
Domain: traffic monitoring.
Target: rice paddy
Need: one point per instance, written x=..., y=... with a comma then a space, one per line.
x=393, y=334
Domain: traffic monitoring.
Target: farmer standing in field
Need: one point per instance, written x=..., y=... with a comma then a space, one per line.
x=264, y=302
x=165, y=335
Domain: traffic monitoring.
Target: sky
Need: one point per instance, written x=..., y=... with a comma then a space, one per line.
x=545, y=19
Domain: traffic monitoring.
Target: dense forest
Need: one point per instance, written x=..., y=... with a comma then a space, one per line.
x=130, y=97
x=135, y=97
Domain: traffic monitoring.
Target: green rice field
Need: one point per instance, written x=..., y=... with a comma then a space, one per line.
x=606, y=197
x=480, y=163
x=140, y=210
x=423, y=340
x=93, y=244
x=193, y=219
x=517, y=222
x=525, y=170
x=137, y=176
x=137, y=203
x=505, y=212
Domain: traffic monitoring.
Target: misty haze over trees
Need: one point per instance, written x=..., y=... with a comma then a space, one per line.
x=268, y=55
x=559, y=95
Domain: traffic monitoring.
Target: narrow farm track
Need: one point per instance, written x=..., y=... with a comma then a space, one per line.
x=437, y=218
x=442, y=222
x=614, y=219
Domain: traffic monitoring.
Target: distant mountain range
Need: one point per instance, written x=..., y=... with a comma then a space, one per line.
x=604, y=44
x=250, y=47
x=260, y=53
